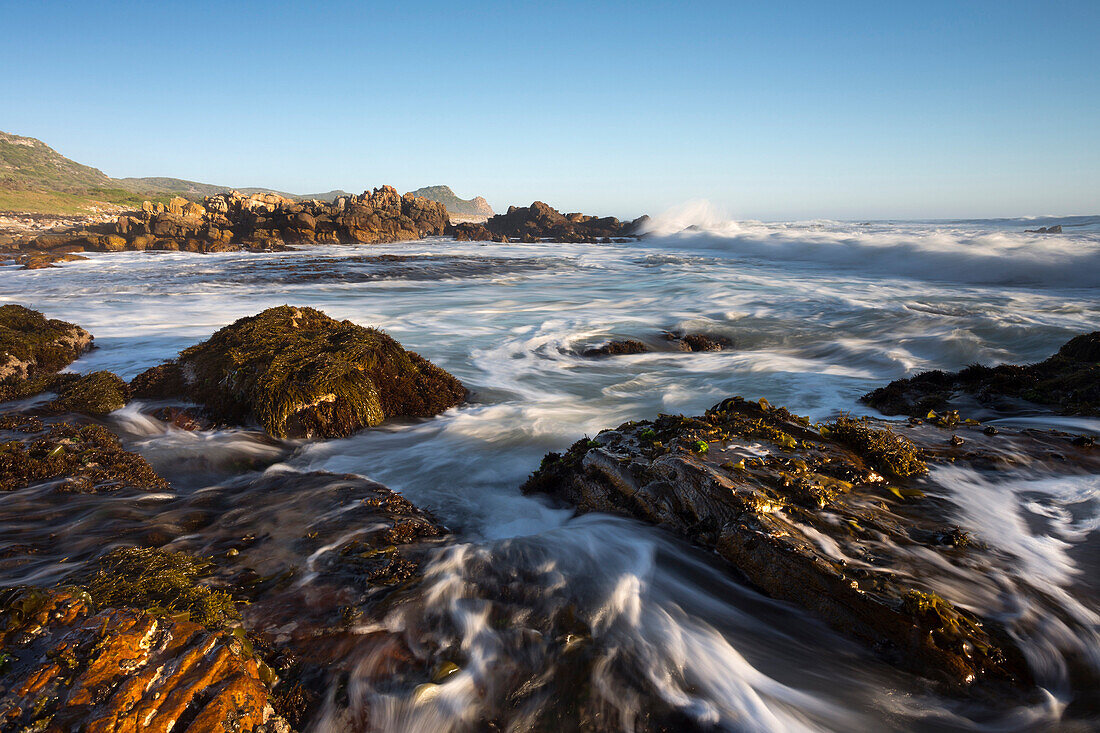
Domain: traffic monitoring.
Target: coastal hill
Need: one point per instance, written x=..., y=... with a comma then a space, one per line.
x=443, y=194
x=37, y=179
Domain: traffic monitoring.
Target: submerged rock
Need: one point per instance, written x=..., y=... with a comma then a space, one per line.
x=298, y=372
x=698, y=341
x=1069, y=382
x=615, y=348
x=668, y=341
x=796, y=508
x=33, y=346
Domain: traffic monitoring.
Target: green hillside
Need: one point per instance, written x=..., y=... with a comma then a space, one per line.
x=36, y=178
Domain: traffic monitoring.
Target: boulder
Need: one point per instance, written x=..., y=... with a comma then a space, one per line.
x=697, y=341
x=615, y=348
x=298, y=372
x=762, y=487
x=97, y=394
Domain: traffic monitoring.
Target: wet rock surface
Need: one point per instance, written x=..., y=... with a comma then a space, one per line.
x=841, y=519
x=298, y=372
x=33, y=346
x=1068, y=382
x=539, y=221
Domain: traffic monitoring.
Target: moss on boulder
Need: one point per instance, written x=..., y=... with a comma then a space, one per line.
x=33, y=346
x=298, y=372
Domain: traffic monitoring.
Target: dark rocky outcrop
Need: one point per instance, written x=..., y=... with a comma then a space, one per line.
x=761, y=487
x=32, y=347
x=298, y=372
x=1056, y=229
x=1068, y=382
x=539, y=221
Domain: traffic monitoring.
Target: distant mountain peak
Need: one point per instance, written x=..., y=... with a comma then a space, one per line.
x=477, y=206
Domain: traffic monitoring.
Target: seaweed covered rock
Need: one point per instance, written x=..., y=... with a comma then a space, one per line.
x=298, y=372
x=1068, y=382
x=155, y=580
x=763, y=487
x=67, y=667
x=80, y=459
x=33, y=346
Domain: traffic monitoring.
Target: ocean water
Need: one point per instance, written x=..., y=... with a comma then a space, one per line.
x=820, y=313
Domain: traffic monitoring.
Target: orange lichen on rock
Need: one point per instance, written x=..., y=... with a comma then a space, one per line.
x=123, y=670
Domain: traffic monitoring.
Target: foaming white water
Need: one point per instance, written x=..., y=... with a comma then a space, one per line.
x=1036, y=522
x=626, y=612
x=933, y=251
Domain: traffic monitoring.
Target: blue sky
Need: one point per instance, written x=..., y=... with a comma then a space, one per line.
x=769, y=110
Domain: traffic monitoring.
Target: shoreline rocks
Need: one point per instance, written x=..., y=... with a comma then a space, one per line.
x=298, y=372
x=68, y=667
x=1068, y=382
x=233, y=221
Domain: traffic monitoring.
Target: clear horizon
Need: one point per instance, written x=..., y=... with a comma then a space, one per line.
x=854, y=111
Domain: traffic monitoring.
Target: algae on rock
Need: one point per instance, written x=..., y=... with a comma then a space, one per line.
x=160, y=582
x=33, y=346
x=298, y=372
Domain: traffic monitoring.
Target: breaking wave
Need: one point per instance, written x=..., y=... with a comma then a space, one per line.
x=991, y=252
